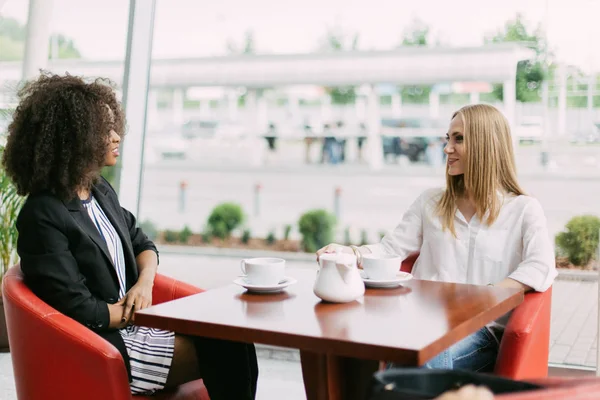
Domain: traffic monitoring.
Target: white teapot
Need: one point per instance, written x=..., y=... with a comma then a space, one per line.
x=338, y=279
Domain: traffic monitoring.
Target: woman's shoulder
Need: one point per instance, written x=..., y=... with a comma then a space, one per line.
x=526, y=204
x=431, y=196
x=41, y=206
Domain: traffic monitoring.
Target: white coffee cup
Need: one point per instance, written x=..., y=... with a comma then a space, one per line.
x=381, y=267
x=263, y=271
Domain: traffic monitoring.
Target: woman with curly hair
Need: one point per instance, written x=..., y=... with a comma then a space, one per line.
x=83, y=254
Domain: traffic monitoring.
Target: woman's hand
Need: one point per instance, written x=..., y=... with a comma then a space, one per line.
x=138, y=298
x=115, y=311
x=333, y=248
x=468, y=392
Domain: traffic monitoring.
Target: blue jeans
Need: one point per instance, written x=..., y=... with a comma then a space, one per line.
x=477, y=352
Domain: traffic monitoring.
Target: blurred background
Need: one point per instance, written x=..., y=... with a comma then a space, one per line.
x=279, y=112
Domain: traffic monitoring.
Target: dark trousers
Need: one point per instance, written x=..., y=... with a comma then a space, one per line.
x=229, y=369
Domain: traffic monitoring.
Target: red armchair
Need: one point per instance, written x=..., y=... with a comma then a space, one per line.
x=525, y=345
x=55, y=357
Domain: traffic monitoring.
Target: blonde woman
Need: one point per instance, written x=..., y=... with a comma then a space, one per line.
x=481, y=229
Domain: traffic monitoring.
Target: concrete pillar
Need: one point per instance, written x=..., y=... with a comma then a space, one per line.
x=205, y=110
x=545, y=154
x=360, y=106
x=136, y=81
x=38, y=38
x=326, y=112
x=177, y=106
x=509, y=92
x=232, y=105
x=397, y=105
x=262, y=115
x=293, y=108
x=434, y=105
x=152, y=108
x=374, y=129
x=473, y=98
x=590, y=100
x=250, y=108
x=562, y=101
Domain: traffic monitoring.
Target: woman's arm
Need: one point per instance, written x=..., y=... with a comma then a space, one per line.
x=511, y=283
x=537, y=269
x=407, y=237
x=52, y=272
x=146, y=259
x=140, y=294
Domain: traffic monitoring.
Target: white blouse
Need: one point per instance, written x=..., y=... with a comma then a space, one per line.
x=517, y=245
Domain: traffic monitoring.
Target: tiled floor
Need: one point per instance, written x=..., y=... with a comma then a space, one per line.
x=574, y=329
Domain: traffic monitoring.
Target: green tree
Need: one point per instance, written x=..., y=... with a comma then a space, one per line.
x=12, y=39
x=66, y=47
x=248, y=45
x=415, y=35
x=12, y=42
x=337, y=40
x=530, y=73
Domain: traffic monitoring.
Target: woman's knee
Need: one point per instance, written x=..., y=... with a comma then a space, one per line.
x=184, y=366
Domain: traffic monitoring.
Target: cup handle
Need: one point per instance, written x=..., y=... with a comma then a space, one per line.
x=243, y=266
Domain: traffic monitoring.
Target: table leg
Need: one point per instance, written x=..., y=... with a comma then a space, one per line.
x=329, y=377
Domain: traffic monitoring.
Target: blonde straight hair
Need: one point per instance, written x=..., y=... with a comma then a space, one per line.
x=489, y=167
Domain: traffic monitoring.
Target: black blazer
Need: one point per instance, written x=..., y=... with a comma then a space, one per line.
x=66, y=262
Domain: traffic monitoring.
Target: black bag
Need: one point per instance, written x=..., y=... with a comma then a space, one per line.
x=420, y=384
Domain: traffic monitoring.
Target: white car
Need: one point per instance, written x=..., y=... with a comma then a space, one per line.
x=531, y=130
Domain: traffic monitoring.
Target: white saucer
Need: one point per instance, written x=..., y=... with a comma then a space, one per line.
x=400, y=277
x=285, y=282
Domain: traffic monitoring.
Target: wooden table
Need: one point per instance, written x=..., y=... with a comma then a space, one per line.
x=407, y=325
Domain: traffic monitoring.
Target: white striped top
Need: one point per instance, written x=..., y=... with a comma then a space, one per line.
x=112, y=239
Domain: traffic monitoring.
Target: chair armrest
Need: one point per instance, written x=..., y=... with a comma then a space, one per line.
x=524, y=347
x=167, y=289
x=409, y=262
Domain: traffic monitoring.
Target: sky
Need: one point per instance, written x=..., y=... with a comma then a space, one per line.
x=193, y=28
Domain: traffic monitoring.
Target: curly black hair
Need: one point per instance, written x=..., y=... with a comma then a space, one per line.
x=57, y=140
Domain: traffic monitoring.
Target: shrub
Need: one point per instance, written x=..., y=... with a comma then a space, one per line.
x=149, y=229
x=246, y=236
x=171, y=236
x=364, y=237
x=224, y=218
x=206, y=236
x=347, y=237
x=10, y=206
x=270, y=238
x=316, y=228
x=185, y=234
x=382, y=234
x=579, y=242
x=286, y=232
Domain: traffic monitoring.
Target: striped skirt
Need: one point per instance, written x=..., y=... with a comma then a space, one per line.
x=150, y=353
